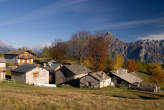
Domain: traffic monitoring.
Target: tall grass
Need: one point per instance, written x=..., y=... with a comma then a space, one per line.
x=17, y=96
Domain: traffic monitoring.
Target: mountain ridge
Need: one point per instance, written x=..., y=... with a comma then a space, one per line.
x=142, y=50
x=4, y=47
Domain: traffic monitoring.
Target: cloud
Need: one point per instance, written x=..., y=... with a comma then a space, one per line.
x=39, y=46
x=153, y=37
x=44, y=11
x=134, y=23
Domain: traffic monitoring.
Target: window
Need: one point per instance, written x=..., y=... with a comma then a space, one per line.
x=35, y=75
x=25, y=61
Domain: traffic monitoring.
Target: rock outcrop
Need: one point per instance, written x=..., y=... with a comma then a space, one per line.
x=142, y=50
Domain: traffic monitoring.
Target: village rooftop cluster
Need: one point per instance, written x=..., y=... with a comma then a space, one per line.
x=26, y=70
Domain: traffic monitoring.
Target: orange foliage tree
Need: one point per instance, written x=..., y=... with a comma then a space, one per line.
x=57, y=50
x=131, y=65
x=97, y=51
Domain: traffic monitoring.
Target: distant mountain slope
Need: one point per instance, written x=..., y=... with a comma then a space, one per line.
x=142, y=50
x=4, y=47
x=151, y=50
x=115, y=45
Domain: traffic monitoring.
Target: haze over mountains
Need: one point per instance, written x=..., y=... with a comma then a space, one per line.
x=143, y=50
x=4, y=47
x=36, y=48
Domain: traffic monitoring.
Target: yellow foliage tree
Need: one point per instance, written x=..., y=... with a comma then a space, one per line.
x=157, y=73
x=1, y=54
x=86, y=62
x=117, y=62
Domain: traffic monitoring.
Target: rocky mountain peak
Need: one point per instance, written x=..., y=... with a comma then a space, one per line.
x=110, y=36
x=143, y=50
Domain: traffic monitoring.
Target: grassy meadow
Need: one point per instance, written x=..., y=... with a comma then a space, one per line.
x=17, y=96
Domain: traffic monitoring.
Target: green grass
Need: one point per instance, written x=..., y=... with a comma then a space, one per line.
x=18, y=96
x=147, y=79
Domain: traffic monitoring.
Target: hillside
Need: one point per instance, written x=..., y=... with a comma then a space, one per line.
x=4, y=49
x=20, y=96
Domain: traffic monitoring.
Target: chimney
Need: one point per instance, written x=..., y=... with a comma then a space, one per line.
x=117, y=71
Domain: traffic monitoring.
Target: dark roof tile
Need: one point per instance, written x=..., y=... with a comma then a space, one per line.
x=24, y=68
x=77, y=69
x=100, y=75
x=52, y=67
x=17, y=52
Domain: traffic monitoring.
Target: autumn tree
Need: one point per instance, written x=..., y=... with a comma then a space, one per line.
x=23, y=48
x=79, y=43
x=142, y=67
x=107, y=64
x=157, y=73
x=57, y=50
x=152, y=67
x=97, y=50
x=117, y=62
x=131, y=65
x=45, y=53
x=1, y=54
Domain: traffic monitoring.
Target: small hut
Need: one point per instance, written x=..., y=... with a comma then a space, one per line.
x=31, y=74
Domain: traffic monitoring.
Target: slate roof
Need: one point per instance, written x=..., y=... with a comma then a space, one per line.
x=46, y=61
x=52, y=67
x=17, y=52
x=77, y=69
x=129, y=77
x=24, y=68
x=2, y=60
x=100, y=76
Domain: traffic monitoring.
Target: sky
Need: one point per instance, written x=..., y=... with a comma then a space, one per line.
x=40, y=22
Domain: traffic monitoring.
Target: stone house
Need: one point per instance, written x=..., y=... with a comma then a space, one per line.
x=52, y=68
x=2, y=69
x=131, y=80
x=67, y=73
x=31, y=74
x=123, y=78
x=146, y=87
x=19, y=57
x=95, y=80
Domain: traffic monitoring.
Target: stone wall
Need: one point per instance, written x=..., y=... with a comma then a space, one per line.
x=43, y=76
x=19, y=77
x=89, y=82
